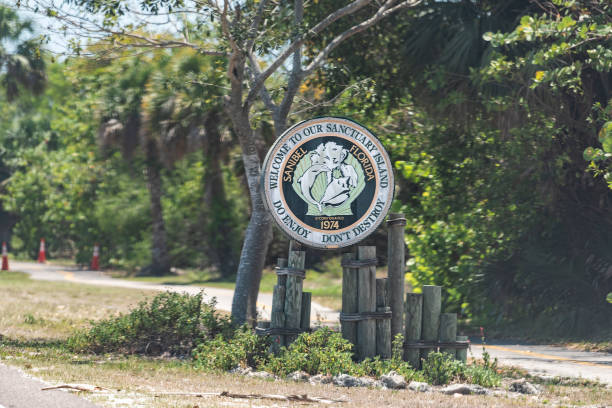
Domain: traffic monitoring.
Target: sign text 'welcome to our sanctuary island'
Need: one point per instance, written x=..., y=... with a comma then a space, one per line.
x=328, y=182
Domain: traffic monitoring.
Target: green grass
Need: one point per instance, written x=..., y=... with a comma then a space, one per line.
x=325, y=284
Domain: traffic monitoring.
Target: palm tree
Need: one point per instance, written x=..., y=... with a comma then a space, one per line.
x=23, y=69
x=122, y=126
x=183, y=113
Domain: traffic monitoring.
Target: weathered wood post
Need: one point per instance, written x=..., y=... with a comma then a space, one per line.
x=432, y=305
x=349, y=297
x=462, y=352
x=277, y=317
x=383, y=325
x=293, y=292
x=305, y=312
x=414, y=320
x=397, y=268
x=366, y=301
x=448, y=332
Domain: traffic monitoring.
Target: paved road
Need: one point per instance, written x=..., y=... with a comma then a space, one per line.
x=19, y=391
x=537, y=359
x=549, y=360
x=223, y=296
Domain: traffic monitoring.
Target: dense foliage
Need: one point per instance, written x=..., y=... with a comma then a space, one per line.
x=496, y=116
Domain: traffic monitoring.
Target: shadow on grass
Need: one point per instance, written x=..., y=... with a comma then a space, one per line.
x=32, y=343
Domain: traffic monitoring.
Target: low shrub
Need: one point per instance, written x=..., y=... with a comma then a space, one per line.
x=485, y=373
x=170, y=322
x=441, y=368
x=376, y=367
x=243, y=348
x=319, y=352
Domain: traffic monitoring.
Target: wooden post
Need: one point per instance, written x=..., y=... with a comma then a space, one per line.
x=397, y=268
x=462, y=352
x=448, y=332
x=277, y=317
x=305, y=314
x=281, y=280
x=432, y=304
x=383, y=326
x=366, y=302
x=414, y=319
x=293, y=292
x=349, y=298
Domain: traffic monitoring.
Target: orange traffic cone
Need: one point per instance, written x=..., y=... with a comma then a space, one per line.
x=5, y=266
x=95, y=261
x=42, y=257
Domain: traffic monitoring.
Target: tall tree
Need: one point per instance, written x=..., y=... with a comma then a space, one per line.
x=122, y=125
x=23, y=68
x=257, y=38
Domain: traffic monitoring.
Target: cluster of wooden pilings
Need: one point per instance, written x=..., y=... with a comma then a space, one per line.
x=374, y=310
x=290, y=304
x=427, y=329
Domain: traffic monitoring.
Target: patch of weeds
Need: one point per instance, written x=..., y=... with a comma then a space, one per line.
x=243, y=348
x=441, y=368
x=29, y=318
x=321, y=351
x=170, y=322
x=376, y=367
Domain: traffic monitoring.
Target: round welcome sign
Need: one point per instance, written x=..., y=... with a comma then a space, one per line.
x=328, y=182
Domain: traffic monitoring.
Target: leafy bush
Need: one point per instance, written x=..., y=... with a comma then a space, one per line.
x=484, y=374
x=321, y=351
x=170, y=322
x=244, y=348
x=441, y=368
x=376, y=367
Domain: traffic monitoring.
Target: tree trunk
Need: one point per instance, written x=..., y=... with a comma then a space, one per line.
x=220, y=234
x=259, y=231
x=160, y=261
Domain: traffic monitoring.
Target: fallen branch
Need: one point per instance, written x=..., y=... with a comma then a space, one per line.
x=76, y=387
x=295, y=398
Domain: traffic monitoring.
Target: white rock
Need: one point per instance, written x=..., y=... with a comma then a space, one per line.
x=299, y=376
x=345, y=380
x=260, y=374
x=419, y=386
x=393, y=381
x=465, y=389
x=523, y=386
x=320, y=379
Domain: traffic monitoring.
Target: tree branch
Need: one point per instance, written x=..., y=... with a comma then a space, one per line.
x=265, y=95
x=255, y=25
x=295, y=77
x=336, y=15
x=384, y=11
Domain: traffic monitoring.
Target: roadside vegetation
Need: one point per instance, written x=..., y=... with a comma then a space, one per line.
x=61, y=332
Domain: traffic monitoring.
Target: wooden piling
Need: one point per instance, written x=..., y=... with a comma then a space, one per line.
x=305, y=314
x=366, y=302
x=349, y=298
x=281, y=279
x=293, y=292
x=461, y=353
x=414, y=319
x=432, y=304
x=397, y=267
x=448, y=332
x=383, y=326
x=277, y=317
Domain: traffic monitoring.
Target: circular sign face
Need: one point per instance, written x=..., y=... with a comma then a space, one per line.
x=328, y=182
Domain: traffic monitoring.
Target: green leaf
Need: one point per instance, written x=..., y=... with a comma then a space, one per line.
x=605, y=136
